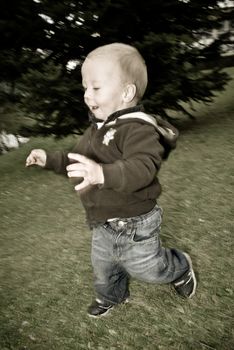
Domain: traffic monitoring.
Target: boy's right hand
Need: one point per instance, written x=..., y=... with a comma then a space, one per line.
x=36, y=157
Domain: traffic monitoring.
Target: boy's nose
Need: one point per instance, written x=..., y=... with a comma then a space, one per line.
x=87, y=93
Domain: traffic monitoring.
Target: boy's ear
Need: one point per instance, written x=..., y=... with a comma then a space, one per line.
x=129, y=92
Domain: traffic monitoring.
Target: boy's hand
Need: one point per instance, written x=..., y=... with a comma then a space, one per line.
x=36, y=157
x=88, y=169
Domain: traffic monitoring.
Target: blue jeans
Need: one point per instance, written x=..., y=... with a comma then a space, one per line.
x=131, y=247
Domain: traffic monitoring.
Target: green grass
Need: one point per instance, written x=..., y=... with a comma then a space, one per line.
x=46, y=275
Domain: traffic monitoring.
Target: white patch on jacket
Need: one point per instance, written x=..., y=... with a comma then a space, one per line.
x=109, y=136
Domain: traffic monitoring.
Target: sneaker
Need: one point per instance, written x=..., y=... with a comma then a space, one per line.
x=99, y=308
x=186, y=285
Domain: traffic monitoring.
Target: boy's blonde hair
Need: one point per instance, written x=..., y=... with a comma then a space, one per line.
x=131, y=63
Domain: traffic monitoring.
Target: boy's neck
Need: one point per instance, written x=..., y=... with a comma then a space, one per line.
x=113, y=116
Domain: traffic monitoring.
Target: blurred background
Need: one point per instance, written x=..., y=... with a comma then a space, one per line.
x=186, y=45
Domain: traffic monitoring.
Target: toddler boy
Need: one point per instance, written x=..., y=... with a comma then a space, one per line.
x=115, y=165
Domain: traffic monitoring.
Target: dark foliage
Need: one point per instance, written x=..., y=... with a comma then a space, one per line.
x=40, y=37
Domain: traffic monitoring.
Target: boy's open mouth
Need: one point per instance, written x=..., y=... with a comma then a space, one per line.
x=93, y=108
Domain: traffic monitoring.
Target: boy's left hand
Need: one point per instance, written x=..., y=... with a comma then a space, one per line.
x=88, y=169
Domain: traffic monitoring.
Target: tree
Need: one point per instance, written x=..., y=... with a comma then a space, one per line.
x=44, y=36
x=57, y=100
x=168, y=43
x=19, y=25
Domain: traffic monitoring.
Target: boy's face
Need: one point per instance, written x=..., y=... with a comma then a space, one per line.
x=104, y=86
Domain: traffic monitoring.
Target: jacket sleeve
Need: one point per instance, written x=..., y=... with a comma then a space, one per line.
x=141, y=160
x=57, y=161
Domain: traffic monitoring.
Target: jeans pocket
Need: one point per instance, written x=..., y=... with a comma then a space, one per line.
x=148, y=229
x=145, y=234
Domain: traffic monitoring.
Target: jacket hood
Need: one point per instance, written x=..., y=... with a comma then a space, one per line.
x=167, y=132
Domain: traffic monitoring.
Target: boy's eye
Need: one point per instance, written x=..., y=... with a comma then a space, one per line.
x=94, y=88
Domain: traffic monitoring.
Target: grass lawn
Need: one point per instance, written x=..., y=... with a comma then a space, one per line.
x=45, y=269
